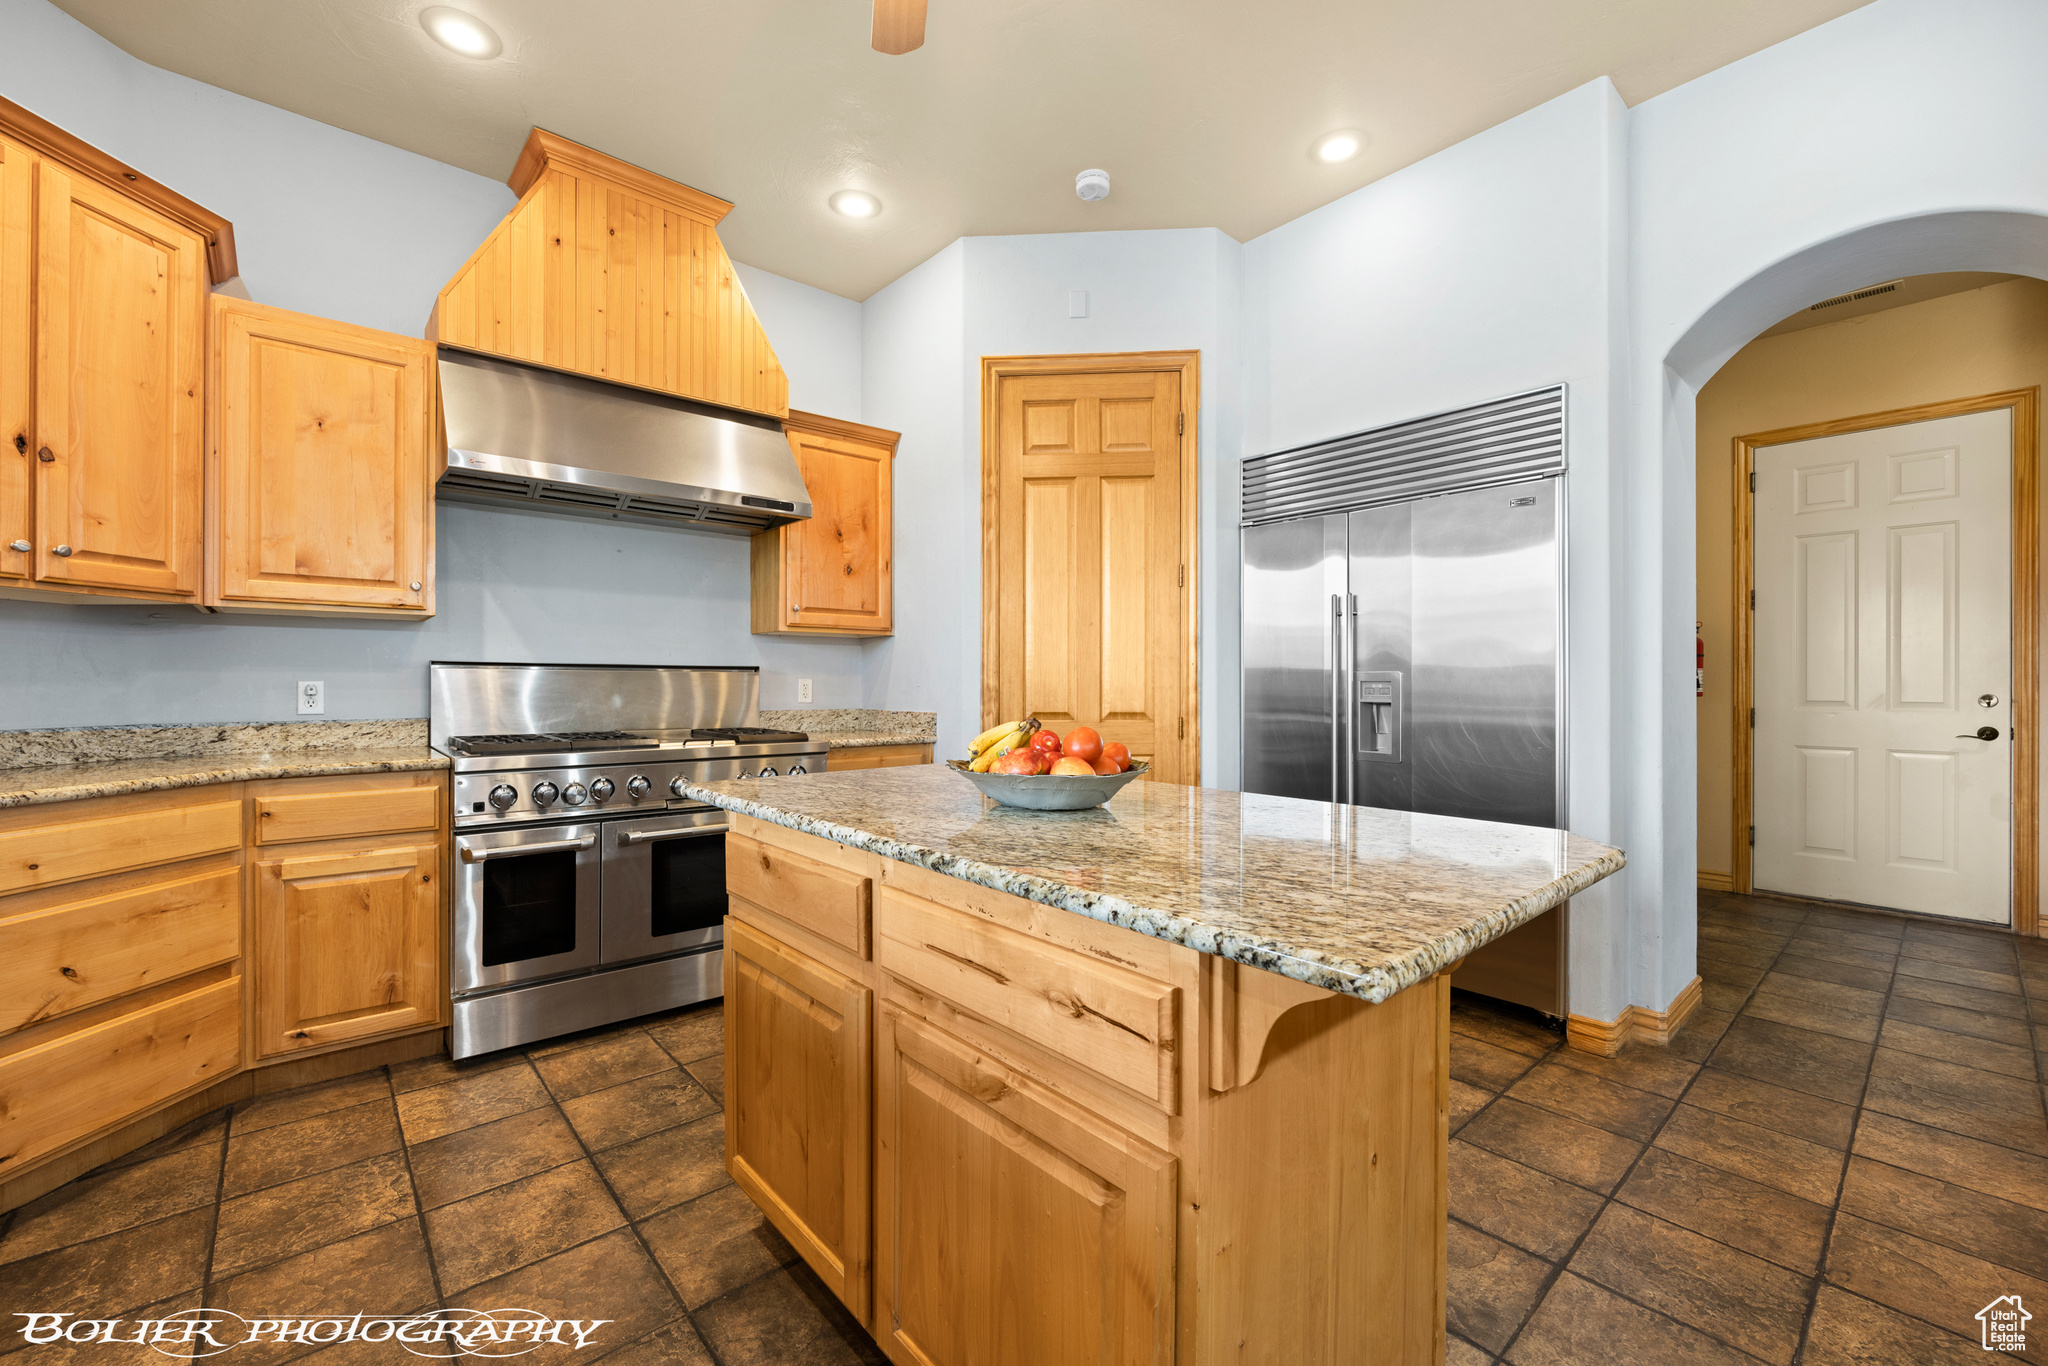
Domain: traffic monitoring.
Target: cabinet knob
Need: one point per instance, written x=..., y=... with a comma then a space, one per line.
x=415, y=585
x=62, y=551
x=23, y=546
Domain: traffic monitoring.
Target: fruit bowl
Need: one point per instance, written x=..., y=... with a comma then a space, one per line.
x=1048, y=792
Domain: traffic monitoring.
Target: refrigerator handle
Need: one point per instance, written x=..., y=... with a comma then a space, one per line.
x=1350, y=706
x=1338, y=683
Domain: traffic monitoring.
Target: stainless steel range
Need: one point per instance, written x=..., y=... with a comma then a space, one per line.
x=588, y=889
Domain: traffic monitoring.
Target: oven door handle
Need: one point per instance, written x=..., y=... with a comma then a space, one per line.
x=627, y=837
x=515, y=850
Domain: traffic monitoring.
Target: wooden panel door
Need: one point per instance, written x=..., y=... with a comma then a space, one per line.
x=321, y=462
x=120, y=334
x=347, y=945
x=1090, y=622
x=1012, y=1229
x=797, y=1088
x=835, y=567
x=17, y=372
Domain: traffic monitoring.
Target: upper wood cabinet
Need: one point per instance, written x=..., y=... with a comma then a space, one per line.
x=120, y=337
x=829, y=575
x=17, y=341
x=322, y=457
x=610, y=270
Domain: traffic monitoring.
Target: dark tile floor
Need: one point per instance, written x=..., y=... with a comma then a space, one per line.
x=1841, y=1159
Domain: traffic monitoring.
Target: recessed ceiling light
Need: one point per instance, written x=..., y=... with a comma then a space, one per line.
x=1341, y=145
x=459, y=32
x=855, y=204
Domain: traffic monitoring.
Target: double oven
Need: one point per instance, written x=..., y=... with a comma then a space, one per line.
x=587, y=887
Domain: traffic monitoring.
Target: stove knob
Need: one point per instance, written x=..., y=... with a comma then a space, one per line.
x=675, y=787
x=574, y=794
x=601, y=790
x=544, y=793
x=795, y=769
x=637, y=787
x=504, y=795
x=768, y=773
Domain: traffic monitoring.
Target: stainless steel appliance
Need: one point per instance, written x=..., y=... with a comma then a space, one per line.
x=587, y=888
x=1403, y=631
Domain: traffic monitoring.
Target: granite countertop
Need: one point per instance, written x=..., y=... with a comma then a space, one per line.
x=1351, y=899
x=71, y=765
x=857, y=728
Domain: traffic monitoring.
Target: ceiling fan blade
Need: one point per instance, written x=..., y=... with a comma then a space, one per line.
x=899, y=26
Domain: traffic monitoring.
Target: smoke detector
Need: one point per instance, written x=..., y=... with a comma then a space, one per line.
x=1092, y=185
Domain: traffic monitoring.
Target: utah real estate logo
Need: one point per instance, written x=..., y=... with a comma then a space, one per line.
x=2005, y=1324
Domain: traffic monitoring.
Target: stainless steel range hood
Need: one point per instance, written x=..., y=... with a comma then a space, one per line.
x=564, y=443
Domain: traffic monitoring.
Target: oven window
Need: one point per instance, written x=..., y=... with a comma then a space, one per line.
x=689, y=884
x=529, y=907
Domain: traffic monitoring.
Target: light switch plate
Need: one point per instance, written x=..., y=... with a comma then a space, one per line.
x=312, y=699
x=1077, y=303
x=803, y=691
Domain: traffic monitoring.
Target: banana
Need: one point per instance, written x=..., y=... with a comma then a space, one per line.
x=990, y=736
x=1018, y=733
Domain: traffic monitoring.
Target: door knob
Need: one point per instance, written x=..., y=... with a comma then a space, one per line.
x=1983, y=733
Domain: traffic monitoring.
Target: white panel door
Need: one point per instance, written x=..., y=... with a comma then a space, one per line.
x=1883, y=643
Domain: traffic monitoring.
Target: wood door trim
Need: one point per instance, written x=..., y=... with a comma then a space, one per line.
x=1188, y=365
x=47, y=139
x=817, y=424
x=2026, y=624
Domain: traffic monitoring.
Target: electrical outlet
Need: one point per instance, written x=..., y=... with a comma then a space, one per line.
x=803, y=691
x=312, y=699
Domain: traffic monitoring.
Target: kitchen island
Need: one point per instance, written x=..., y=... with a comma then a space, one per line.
x=1162, y=1081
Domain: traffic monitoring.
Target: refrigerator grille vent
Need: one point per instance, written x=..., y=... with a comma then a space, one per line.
x=1502, y=442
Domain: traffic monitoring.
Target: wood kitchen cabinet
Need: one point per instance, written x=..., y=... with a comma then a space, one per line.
x=797, y=1094
x=17, y=348
x=844, y=757
x=1012, y=1226
x=321, y=465
x=830, y=574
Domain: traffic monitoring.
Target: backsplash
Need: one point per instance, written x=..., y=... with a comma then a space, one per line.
x=34, y=748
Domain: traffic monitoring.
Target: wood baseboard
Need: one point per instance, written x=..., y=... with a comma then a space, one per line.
x=1636, y=1024
x=1711, y=881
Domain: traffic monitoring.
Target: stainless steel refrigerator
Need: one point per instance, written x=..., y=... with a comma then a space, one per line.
x=1409, y=655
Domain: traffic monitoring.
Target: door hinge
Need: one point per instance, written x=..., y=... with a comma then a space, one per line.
x=1752, y=481
x=1183, y=576
x=1752, y=599
x=1180, y=428
x=1752, y=837
x=1183, y=728
x=1752, y=718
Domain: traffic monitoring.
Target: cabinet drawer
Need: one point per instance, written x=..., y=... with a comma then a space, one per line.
x=338, y=815
x=1116, y=1024
x=64, y=958
x=75, y=1084
x=43, y=855
x=829, y=902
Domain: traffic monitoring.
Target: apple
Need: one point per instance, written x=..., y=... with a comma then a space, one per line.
x=1083, y=743
x=1118, y=753
x=1047, y=743
x=1106, y=766
x=1070, y=767
x=1018, y=763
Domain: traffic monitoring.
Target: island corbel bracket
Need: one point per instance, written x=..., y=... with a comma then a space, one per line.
x=1247, y=1004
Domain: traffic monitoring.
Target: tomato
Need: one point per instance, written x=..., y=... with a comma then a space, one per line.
x=1047, y=743
x=1106, y=766
x=1118, y=753
x=1083, y=743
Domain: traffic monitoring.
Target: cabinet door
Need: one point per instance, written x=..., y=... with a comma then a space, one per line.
x=120, y=332
x=17, y=264
x=797, y=1090
x=1011, y=1228
x=320, y=462
x=348, y=945
x=835, y=567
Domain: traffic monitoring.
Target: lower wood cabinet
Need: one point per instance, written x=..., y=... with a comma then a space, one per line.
x=349, y=945
x=1011, y=1226
x=847, y=757
x=797, y=1088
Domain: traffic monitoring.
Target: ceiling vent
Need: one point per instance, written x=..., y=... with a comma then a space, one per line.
x=1868, y=292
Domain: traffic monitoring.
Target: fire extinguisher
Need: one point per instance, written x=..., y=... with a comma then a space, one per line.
x=1699, y=661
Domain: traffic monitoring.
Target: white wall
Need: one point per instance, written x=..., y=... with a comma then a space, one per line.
x=1493, y=267
x=338, y=225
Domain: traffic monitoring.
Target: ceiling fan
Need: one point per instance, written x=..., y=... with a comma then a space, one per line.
x=899, y=26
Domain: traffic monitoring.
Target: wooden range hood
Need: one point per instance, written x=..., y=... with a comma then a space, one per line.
x=611, y=271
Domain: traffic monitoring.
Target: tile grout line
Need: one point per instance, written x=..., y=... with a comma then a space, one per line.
x=412, y=1181
x=220, y=1184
